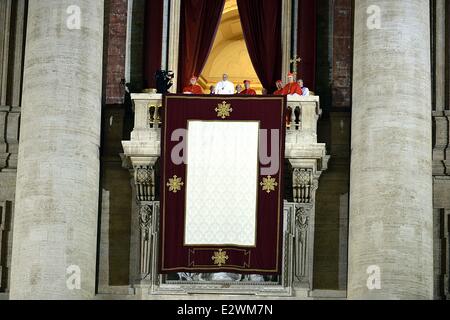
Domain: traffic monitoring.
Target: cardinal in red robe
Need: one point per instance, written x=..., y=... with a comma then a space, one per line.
x=279, y=91
x=292, y=87
x=248, y=91
x=193, y=87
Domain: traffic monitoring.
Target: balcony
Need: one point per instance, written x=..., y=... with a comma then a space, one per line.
x=301, y=134
x=307, y=158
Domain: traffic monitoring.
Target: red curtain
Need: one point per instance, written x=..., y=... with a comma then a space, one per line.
x=154, y=10
x=261, y=23
x=307, y=42
x=199, y=22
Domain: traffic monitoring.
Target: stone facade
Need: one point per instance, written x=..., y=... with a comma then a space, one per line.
x=441, y=143
x=342, y=24
x=117, y=258
x=115, y=50
x=334, y=63
x=12, y=42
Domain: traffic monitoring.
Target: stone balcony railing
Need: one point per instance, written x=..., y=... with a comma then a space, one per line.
x=308, y=160
x=307, y=157
x=301, y=134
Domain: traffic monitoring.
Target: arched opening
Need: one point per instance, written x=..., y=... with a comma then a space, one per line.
x=229, y=53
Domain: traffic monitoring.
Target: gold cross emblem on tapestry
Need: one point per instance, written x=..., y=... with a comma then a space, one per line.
x=269, y=184
x=220, y=257
x=175, y=184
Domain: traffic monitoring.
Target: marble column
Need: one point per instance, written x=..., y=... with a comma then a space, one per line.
x=391, y=217
x=174, y=41
x=55, y=223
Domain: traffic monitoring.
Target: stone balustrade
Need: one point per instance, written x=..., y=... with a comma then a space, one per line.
x=303, y=114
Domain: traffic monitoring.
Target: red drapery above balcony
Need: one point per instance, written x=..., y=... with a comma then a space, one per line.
x=153, y=40
x=307, y=36
x=261, y=23
x=199, y=22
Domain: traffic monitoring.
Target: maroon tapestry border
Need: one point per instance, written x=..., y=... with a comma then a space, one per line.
x=265, y=258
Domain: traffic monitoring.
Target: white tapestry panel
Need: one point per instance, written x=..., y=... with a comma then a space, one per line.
x=221, y=183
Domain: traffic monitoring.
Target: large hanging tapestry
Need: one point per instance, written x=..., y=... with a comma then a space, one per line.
x=221, y=191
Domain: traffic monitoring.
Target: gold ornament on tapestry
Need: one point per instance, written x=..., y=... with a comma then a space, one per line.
x=224, y=110
x=175, y=184
x=269, y=184
x=220, y=257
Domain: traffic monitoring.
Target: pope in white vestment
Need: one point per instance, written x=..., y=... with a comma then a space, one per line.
x=224, y=86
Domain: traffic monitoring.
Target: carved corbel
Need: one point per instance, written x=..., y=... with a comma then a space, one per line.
x=304, y=185
x=305, y=182
x=144, y=178
x=142, y=170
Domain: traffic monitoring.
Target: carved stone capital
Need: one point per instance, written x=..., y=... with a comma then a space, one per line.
x=144, y=178
x=305, y=182
x=142, y=170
